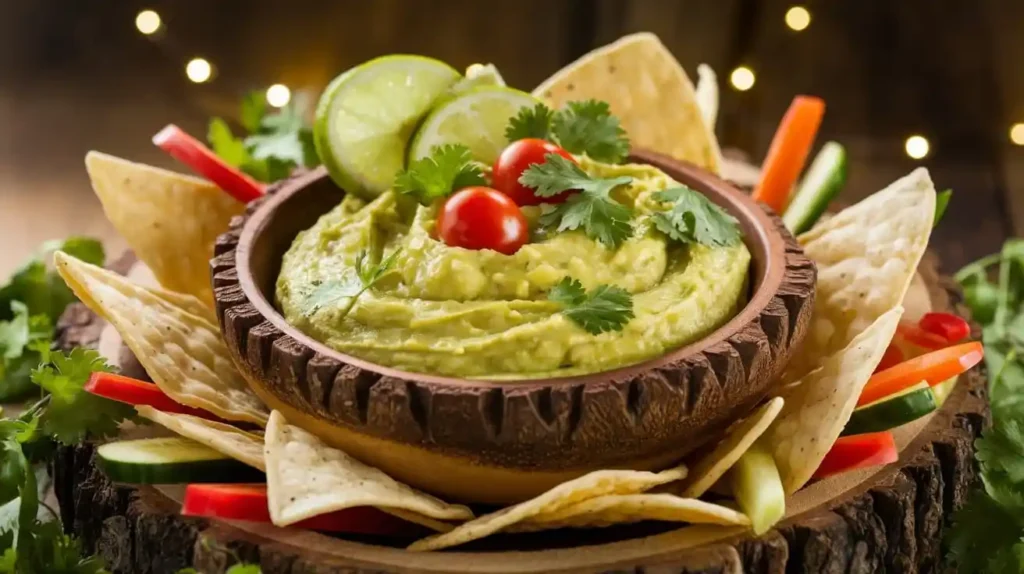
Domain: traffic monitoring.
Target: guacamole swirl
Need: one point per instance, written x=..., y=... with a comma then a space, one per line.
x=481, y=314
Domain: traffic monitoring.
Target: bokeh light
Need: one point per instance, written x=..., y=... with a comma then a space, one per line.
x=917, y=146
x=198, y=70
x=798, y=18
x=742, y=78
x=278, y=95
x=147, y=22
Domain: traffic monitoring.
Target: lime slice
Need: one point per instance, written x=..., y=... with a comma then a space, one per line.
x=476, y=119
x=366, y=116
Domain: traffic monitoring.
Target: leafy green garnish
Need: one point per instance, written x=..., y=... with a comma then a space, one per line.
x=352, y=286
x=73, y=413
x=601, y=217
x=941, y=202
x=588, y=127
x=19, y=338
x=40, y=289
x=603, y=308
x=988, y=532
x=532, y=122
x=448, y=168
x=236, y=569
x=694, y=219
x=275, y=144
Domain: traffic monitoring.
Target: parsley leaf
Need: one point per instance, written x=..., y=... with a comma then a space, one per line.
x=532, y=122
x=593, y=209
x=73, y=413
x=42, y=290
x=351, y=286
x=604, y=308
x=588, y=127
x=447, y=168
x=275, y=145
x=983, y=536
x=694, y=219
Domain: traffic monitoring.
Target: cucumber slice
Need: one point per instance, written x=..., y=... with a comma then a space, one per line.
x=172, y=460
x=757, y=486
x=824, y=180
x=943, y=390
x=892, y=411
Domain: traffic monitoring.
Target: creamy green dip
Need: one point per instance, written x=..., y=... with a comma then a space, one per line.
x=481, y=314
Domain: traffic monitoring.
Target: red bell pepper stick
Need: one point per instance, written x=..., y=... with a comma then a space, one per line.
x=135, y=392
x=934, y=367
x=919, y=337
x=858, y=451
x=788, y=152
x=950, y=327
x=249, y=502
x=191, y=152
x=892, y=357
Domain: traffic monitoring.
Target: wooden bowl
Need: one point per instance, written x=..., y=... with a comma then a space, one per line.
x=502, y=442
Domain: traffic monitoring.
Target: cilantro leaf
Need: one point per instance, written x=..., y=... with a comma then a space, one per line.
x=284, y=136
x=588, y=127
x=694, y=219
x=352, y=286
x=253, y=110
x=47, y=549
x=941, y=203
x=244, y=569
x=604, y=308
x=601, y=217
x=532, y=122
x=20, y=339
x=73, y=413
x=42, y=290
x=448, y=168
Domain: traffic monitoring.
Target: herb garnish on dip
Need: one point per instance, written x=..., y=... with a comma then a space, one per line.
x=551, y=263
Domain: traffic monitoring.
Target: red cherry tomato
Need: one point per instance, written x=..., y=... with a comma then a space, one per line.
x=514, y=160
x=482, y=218
x=950, y=327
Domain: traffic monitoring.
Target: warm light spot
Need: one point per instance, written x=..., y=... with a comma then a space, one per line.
x=278, y=95
x=148, y=22
x=798, y=18
x=198, y=70
x=917, y=147
x=742, y=78
x=1017, y=134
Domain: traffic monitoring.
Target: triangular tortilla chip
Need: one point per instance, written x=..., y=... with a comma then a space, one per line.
x=613, y=509
x=593, y=485
x=819, y=405
x=169, y=220
x=737, y=440
x=240, y=445
x=647, y=90
x=182, y=352
x=866, y=255
x=306, y=478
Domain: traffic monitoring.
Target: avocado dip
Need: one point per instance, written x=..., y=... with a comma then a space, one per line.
x=485, y=315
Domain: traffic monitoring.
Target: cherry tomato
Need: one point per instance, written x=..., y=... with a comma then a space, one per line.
x=482, y=218
x=514, y=160
x=950, y=327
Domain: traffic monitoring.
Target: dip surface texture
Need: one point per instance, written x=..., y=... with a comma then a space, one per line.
x=484, y=315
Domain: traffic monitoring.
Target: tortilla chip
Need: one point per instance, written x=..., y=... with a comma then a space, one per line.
x=613, y=509
x=647, y=90
x=737, y=440
x=169, y=220
x=819, y=405
x=182, y=351
x=593, y=485
x=225, y=439
x=306, y=478
x=867, y=256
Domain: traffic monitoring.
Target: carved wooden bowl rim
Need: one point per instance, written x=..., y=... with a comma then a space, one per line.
x=764, y=235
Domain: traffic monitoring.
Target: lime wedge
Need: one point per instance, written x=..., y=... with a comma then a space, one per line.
x=476, y=119
x=366, y=116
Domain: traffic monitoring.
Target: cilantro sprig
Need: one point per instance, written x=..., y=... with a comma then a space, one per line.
x=583, y=127
x=447, y=168
x=603, y=308
x=988, y=532
x=592, y=209
x=274, y=145
x=352, y=286
x=694, y=219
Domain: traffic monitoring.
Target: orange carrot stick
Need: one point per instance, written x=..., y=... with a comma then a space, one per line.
x=789, y=150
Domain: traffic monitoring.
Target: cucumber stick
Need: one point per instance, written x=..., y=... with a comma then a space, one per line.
x=942, y=391
x=892, y=411
x=757, y=486
x=172, y=460
x=824, y=180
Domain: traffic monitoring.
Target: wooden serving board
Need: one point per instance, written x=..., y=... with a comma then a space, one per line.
x=887, y=519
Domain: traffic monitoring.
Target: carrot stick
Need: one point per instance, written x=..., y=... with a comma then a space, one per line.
x=789, y=150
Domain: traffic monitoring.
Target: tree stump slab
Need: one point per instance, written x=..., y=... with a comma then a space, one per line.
x=893, y=521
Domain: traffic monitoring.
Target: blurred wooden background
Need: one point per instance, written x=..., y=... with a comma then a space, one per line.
x=76, y=75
